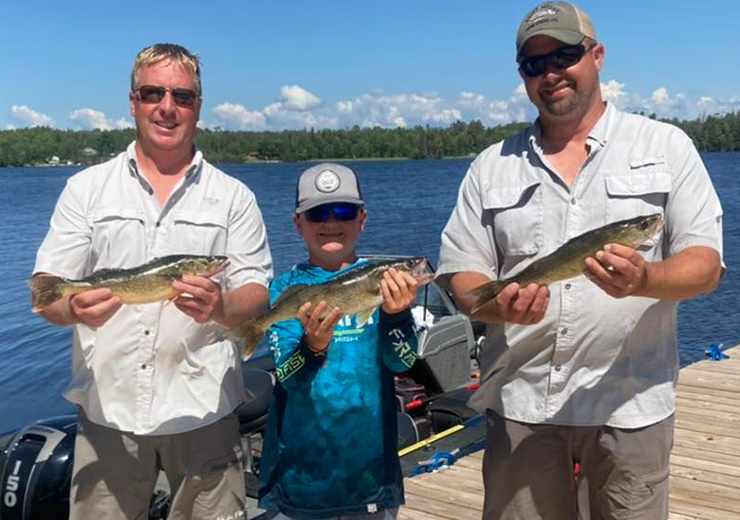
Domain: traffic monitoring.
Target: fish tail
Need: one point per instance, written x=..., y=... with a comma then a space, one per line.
x=251, y=332
x=485, y=293
x=45, y=290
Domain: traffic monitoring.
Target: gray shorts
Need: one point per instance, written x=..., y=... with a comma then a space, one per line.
x=528, y=471
x=115, y=472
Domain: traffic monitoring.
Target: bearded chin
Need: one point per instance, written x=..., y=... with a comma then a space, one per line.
x=576, y=101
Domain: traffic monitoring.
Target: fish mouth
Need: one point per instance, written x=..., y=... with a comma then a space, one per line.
x=217, y=268
x=421, y=271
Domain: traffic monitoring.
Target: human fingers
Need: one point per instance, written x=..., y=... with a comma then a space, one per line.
x=304, y=313
x=94, y=310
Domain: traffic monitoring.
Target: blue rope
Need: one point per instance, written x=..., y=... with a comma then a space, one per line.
x=440, y=460
x=714, y=352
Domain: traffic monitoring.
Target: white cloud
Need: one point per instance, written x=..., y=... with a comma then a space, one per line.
x=9, y=127
x=237, y=117
x=30, y=117
x=295, y=97
x=297, y=108
x=122, y=123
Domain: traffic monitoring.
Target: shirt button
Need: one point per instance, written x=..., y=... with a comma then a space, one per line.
x=573, y=200
x=557, y=368
x=156, y=225
x=564, y=331
x=143, y=366
x=146, y=332
x=567, y=287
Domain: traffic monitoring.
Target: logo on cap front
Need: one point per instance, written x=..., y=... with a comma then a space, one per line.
x=327, y=181
x=542, y=11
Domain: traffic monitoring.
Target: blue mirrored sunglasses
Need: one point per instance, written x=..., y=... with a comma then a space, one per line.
x=342, y=211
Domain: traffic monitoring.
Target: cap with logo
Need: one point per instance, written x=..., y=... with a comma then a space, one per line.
x=560, y=20
x=325, y=183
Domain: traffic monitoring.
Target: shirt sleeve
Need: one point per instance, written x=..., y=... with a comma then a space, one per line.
x=693, y=209
x=466, y=245
x=295, y=364
x=397, y=339
x=66, y=247
x=247, y=246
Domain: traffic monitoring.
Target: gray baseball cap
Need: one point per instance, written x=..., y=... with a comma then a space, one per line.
x=560, y=20
x=325, y=183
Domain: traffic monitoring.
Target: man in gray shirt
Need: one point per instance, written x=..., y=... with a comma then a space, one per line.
x=582, y=371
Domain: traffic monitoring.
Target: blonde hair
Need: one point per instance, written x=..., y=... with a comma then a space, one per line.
x=169, y=52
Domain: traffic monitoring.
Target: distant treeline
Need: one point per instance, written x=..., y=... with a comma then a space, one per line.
x=43, y=145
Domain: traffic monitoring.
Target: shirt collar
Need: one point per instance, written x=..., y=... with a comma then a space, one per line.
x=193, y=173
x=598, y=134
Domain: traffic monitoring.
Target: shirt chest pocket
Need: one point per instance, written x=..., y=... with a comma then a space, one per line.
x=199, y=232
x=515, y=216
x=637, y=193
x=118, y=237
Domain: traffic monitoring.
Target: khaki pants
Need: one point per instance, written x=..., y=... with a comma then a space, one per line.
x=528, y=471
x=386, y=514
x=115, y=472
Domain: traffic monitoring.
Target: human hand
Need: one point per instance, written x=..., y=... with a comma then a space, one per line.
x=522, y=305
x=94, y=307
x=618, y=270
x=200, y=298
x=399, y=290
x=318, y=330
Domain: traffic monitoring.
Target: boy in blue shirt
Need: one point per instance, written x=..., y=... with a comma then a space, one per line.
x=330, y=447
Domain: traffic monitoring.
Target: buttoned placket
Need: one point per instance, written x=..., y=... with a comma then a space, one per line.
x=576, y=222
x=158, y=229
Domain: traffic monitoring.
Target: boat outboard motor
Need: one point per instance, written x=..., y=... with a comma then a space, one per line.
x=36, y=470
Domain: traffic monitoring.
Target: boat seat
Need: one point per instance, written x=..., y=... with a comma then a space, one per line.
x=252, y=413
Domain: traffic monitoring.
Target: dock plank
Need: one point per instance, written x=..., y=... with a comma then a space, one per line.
x=705, y=461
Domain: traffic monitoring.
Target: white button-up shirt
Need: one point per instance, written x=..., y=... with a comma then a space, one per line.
x=151, y=369
x=593, y=359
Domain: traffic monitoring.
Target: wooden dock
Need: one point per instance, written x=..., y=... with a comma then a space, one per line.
x=705, y=461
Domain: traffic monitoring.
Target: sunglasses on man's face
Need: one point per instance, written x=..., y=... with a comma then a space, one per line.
x=562, y=58
x=342, y=212
x=151, y=94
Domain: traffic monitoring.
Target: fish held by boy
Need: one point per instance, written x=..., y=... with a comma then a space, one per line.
x=568, y=261
x=357, y=292
x=147, y=283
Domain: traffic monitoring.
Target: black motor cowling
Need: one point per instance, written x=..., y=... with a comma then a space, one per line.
x=36, y=470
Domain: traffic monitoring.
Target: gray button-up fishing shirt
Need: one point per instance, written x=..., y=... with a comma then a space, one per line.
x=152, y=369
x=593, y=359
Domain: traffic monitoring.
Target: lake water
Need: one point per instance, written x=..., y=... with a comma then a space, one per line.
x=408, y=204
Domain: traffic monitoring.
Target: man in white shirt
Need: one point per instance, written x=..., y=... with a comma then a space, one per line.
x=582, y=371
x=155, y=384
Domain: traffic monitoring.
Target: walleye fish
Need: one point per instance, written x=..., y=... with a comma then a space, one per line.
x=568, y=261
x=147, y=283
x=355, y=292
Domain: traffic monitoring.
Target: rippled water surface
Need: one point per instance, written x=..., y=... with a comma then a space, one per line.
x=408, y=204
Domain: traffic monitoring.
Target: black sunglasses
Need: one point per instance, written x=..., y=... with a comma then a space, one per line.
x=342, y=211
x=182, y=97
x=564, y=57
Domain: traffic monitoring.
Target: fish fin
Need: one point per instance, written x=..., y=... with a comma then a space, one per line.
x=251, y=331
x=44, y=290
x=171, y=299
x=364, y=316
x=104, y=271
x=288, y=292
x=485, y=293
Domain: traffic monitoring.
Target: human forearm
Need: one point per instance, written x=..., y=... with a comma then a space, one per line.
x=692, y=272
x=249, y=300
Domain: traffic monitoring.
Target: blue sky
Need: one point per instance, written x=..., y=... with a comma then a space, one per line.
x=334, y=64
